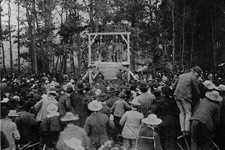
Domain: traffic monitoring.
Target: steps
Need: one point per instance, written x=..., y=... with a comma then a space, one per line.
x=109, y=69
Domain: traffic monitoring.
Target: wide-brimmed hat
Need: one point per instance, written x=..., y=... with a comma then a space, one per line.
x=221, y=88
x=69, y=116
x=95, y=106
x=98, y=92
x=5, y=100
x=135, y=103
x=13, y=113
x=52, y=92
x=209, y=85
x=197, y=69
x=74, y=143
x=152, y=119
x=214, y=96
x=52, y=110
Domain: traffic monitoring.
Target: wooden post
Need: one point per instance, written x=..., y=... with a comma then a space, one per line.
x=89, y=58
x=128, y=53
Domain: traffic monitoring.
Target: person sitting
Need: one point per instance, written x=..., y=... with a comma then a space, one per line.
x=96, y=125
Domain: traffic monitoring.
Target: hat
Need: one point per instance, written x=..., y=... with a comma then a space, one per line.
x=52, y=92
x=197, y=69
x=214, y=96
x=221, y=88
x=16, y=97
x=74, y=143
x=52, y=110
x=69, y=116
x=152, y=119
x=3, y=79
x=98, y=92
x=209, y=85
x=5, y=100
x=12, y=113
x=135, y=103
x=95, y=106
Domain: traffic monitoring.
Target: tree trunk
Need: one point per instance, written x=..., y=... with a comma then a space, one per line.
x=1, y=44
x=33, y=39
x=183, y=37
x=192, y=44
x=213, y=35
x=173, y=34
x=10, y=35
x=18, y=35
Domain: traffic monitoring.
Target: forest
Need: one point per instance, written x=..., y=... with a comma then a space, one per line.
x=177, y=33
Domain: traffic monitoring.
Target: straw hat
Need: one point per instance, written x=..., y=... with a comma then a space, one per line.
x=12, y=113
x=69, y=116
x=221, y=88
x=52, y=92
x=95, y=106
x=152, y=119
x=135, y=103
x=214, y=96
x=98, y=92
x=209, y=85
x=5, y=100
x=74, y=143
x=52, y=110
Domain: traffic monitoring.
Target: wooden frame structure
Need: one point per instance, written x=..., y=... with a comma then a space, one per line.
x=91, y=39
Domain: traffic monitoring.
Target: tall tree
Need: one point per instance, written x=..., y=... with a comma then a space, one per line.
x=10, y=35
x=18, y=34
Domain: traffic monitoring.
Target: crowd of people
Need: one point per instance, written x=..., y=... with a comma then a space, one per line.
x=45, y=112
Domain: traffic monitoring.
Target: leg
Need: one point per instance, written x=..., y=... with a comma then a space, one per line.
x=181, y=115
x=194, y=134
x=126, y=144
x=187, y=110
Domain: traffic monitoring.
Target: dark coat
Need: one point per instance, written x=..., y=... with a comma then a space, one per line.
x=208, y=113
x=96, y=127
x=79, y=106
x=166, y=109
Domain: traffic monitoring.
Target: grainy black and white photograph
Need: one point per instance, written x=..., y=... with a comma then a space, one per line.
x=112, y=74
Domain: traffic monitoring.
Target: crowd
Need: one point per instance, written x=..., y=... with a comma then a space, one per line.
x=48, y=112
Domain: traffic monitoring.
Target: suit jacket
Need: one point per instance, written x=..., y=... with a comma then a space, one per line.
x=187, y=87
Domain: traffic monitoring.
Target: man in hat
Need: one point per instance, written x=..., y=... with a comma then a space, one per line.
x=42, y=105
x=131, y=122
x=146, y=99
x=205, y=120
x=220, y=136
x=79, y=104
x=187, y=91
x=9, y=128
x=96, y=125
x=72, y=134
x=65, y=101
